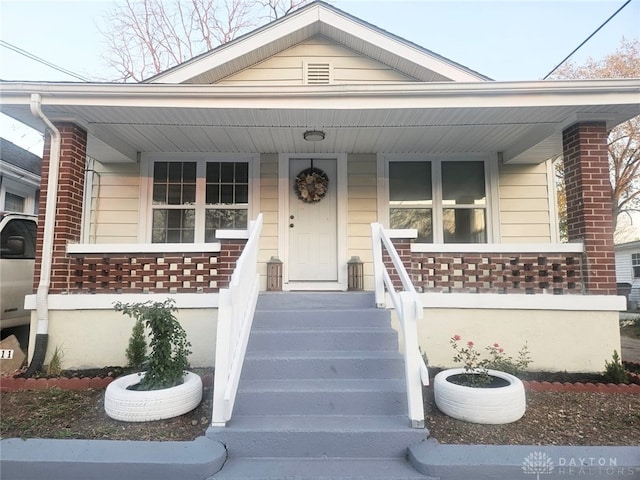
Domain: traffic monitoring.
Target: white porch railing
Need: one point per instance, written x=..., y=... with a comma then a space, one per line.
x=409, y=310
x=236, y=308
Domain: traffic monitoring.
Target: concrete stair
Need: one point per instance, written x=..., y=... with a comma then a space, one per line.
x=322, y=394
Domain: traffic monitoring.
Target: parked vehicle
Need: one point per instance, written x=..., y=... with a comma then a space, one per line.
x=17, y=261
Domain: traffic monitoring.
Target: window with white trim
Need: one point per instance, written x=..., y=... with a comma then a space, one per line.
x=444, y=200
x=14, y=203
x=635, y=264
x=191, y=200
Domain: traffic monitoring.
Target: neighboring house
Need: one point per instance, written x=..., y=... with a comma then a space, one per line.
x=628, y=271
x=19, y=178
x=456, y=164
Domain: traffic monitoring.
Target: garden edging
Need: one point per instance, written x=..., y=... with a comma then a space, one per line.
x=14, y=384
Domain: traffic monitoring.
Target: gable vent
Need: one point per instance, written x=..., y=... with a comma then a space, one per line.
x=317, y=73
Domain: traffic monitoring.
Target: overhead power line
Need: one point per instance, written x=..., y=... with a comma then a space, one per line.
x=31, y=56
x=587, y=39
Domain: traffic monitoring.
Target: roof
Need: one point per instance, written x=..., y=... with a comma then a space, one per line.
x=317, y=18
x=19, y=157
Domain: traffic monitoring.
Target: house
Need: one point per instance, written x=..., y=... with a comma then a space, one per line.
x=628, y=271
x=326, y=124
x=19, y=178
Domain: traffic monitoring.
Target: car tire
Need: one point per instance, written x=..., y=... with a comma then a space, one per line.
x=149, y=405
x=480, y=405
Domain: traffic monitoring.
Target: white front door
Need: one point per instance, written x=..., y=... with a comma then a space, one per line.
x=313, y=226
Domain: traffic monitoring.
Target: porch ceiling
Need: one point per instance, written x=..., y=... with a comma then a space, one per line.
x=523, y=128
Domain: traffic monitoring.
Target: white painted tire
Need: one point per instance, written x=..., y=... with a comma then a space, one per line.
x=480, y=405
x=149, y=405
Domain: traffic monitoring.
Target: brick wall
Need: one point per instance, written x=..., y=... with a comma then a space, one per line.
x=589, y=213
x=527, y=273
x=193, y=272
x=69, y=201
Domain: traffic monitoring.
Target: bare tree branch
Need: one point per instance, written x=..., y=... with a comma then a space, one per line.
x=624, y=140
x=146, y=37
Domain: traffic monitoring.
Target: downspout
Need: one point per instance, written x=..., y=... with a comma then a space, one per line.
x=42, y=294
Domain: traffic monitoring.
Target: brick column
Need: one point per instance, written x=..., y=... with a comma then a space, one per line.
x=230, y=251
x=403, y=248
x=589, y=212
x=69, y=201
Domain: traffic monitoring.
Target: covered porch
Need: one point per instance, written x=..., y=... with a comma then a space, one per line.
x=96, y=224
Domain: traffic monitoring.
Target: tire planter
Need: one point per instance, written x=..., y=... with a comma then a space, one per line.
x=480, y=405
x=149, y=405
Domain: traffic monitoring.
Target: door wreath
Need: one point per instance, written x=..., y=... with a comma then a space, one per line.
x=311, y=185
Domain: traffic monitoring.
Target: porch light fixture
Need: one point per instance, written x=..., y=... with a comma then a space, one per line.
x=313, y=136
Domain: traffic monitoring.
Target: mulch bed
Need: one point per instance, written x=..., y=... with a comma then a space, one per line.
x=535, y=381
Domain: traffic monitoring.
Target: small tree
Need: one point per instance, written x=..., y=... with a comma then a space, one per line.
x=137, y=349
x=169, y=346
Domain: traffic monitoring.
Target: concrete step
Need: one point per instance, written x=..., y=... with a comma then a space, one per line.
x=317, y=469
x=317, y=436
x=314, y=300
x=328, y=317
x=323, y=365
x=376, y=339
x=321, y=397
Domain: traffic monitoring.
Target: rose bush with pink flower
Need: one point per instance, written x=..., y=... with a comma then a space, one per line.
x=477, y=368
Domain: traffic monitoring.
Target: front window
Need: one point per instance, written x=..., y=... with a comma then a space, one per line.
x=463, y=202
x=635, y=264
x=445, y=201
x=411, y=198
x=13, y=203
x=194, y=199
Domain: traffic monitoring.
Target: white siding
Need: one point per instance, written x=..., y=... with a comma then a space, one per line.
x=269, y=206
x=287, y=67
x=115, y=203
x=624, y=273
x=362, y=210
x=624, y=264
x=524, y=204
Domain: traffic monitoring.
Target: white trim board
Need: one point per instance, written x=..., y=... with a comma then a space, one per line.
x=516, y=302
x=525, y=248
x=105, y=301
x=100, y=248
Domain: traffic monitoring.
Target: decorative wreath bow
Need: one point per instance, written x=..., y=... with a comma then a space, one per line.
x=311, y=185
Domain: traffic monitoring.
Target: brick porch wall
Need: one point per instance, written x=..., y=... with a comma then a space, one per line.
x=589, y=212
x=516, y=273
x=166, y=273
x=69, y=201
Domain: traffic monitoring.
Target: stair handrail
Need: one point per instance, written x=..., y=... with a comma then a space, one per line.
x=236, y=308
x=409, y=310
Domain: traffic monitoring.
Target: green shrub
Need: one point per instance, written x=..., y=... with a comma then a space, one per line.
x=137, y=349
x=168, y=359
x=614, y=371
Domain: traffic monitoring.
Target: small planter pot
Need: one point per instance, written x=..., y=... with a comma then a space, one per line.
x=149, y=405
x=488, y=405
